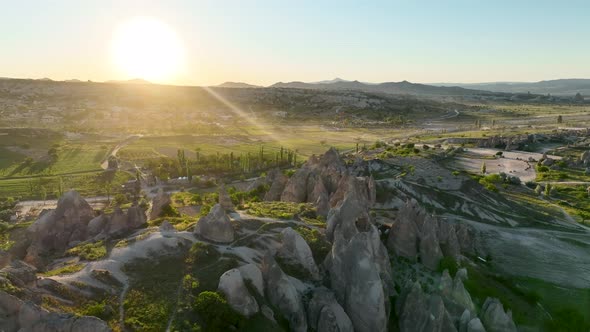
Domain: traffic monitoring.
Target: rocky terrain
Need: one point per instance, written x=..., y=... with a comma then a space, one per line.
x=370, y=250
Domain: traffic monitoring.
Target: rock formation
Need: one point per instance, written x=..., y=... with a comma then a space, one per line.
x=215, y=226
x=232, y=286
x=282, y=294
x=277, y=181
x=58, y=229
x=225, y=200
x=423, y=312
x=494, y=318
x=116, y=224
x=158, y=203
x=26, y=316
x=252, y=273
x=324, y=313
x=295, y=251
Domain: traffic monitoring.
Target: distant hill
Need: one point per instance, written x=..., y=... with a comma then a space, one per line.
x=237, y=85
x=74, y=80
x=404, y=87
x=131, y=81
x=554, y=87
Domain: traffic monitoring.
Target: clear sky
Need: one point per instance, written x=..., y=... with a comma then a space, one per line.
x=262, y=42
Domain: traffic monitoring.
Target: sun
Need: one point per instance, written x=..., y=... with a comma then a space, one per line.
x=147, y=48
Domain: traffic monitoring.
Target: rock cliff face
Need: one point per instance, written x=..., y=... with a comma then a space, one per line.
x=25, y=316
x=216, y=226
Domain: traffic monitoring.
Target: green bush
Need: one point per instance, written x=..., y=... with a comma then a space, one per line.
x=169, y=211
x=216, y=312
x=72, y=268
x=89, y=251
x=448, y=263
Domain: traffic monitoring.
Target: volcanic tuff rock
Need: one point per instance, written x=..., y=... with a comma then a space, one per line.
x=158, y=203
x=282, y=294
x=494, y=318
x=252, y=273
x=215, y=226
x=430, y=253
x=26, y=316
x=296, y=188
x=232, y=286
x=324, y=313
x=415, y=231
x=55, y=230
x=116, y=224
x=225, y=200
x=295, y=251
x=277, y=181
x=422, y=312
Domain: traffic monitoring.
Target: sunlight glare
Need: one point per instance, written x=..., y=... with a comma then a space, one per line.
x=147, y=48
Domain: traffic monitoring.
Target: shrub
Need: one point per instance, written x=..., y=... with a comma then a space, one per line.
x=216, y=312
x=169, y=211
x=89, y=251
x=448, y=263
x=72, y=268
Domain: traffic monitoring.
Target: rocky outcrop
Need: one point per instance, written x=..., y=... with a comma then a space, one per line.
x=277, y=181
x=282, y=294
x=296, y=188
x=360, y=278
x=252, y=274
x=457, y=299
x=166, y=228
x=423, y=312
x=58, y=229
x=232, y=286
x=324, y=313
x=161, y=200
x=349, y=217
x=225, y=200
x=215, y=226
x=295, y=251
x=117, y=224
x=19, y=273
x=415, y=232
x=430, y=253
x=25, y=316
x=494, y=318
x=403, y=235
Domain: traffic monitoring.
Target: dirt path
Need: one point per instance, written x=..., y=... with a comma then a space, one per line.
x=125, y=142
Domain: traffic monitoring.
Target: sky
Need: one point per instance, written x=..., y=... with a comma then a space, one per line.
x=263, y=42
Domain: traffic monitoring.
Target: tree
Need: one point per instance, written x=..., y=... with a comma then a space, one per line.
x=548, y=189
x=559, y=119
x=578, y=97
x=483, y=168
